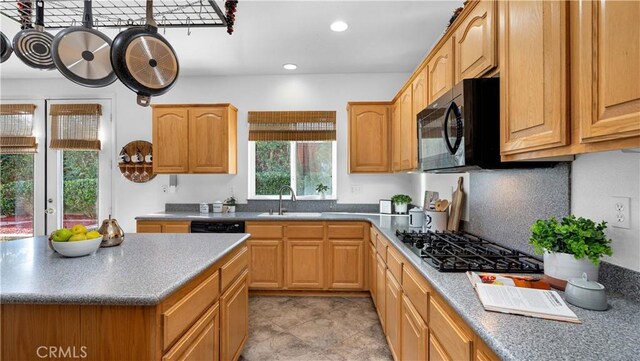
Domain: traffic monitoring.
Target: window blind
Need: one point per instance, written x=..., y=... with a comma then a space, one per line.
x=75, y=126
x=16, y=129
x=292, y=125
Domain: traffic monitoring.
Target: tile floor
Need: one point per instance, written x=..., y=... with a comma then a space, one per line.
x=314, y=329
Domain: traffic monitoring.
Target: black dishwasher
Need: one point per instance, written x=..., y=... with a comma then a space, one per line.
x=217, y=227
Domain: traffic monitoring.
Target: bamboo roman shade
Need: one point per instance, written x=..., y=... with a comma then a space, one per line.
x=16, y=129
x=75, y=126
x=292, y=125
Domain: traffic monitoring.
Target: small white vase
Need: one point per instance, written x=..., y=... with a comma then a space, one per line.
x=401, y=208
x=560, y=267
x=323, y=195
x=232, y=209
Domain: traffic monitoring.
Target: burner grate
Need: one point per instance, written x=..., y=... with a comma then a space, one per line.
x=461, y=252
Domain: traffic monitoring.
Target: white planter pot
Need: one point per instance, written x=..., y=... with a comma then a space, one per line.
x=232, y=209
x=563, y=266
x=401, y=208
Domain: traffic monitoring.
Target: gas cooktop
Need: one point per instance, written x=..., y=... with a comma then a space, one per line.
x=461, y=252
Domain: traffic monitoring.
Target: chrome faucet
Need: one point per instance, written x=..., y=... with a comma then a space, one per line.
x=293, y=199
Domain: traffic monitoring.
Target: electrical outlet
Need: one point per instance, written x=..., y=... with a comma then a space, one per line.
x=165, y=188
x=355, y=189
x=620, y=212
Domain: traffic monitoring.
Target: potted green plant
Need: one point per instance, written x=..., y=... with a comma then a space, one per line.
x=570, y=247
x=231, y=203
x=400, y=202
x=321, y=188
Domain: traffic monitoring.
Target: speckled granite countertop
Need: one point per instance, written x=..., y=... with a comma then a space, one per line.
x=610, y=335
x=143, y=270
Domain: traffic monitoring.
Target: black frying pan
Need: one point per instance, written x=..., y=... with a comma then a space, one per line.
x=5, y=48
x=144, y=60
x=82, y=54
x=33, y=46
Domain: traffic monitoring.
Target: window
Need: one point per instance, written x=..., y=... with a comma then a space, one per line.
x=300, y=164
x=294, y=148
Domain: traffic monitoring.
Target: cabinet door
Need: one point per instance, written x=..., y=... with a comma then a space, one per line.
x=533, y=75
x=346, y=264
x=436, y=351
x=419, y=102
x=475, y=42
x=372, y=273
x=414, y=333
x=170, y=140
x=393, y=304
x=304, y=264
x=396, y=135
x=381, y=282
x=608, y=61
x=407, y=118
x=234, y=319
x=208, y=140
x=369, y=138
x=441, y=71
x=265, y=264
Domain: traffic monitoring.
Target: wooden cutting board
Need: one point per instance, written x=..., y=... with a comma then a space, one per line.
x=456, y=208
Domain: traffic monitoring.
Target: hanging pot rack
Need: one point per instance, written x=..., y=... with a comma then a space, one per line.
x=60, y=14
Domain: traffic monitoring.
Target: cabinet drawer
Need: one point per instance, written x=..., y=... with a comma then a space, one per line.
x=372, y=236
x=265, y=231
x=346, y=231
x=381, y=247
x=311, y=231
x=457, y=343
x=148, y=227
x=233, y=267
x=417, y=290
x=394, y=263
x=199, y=342
x=181, y=315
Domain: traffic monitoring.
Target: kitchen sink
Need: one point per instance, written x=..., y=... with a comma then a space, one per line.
x=292, y=214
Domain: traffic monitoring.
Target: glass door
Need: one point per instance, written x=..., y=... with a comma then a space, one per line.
x=79, y=181
x=22, y=179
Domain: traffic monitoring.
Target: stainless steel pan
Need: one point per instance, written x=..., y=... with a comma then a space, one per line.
x=144, y=60
x=33, y=46
x=82, y=54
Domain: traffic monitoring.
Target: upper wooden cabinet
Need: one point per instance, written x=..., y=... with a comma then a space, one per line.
x=533, y=75
x=369, y=137
x=475, y=42
x=396, y=137
x=607, y=69
x=194, y=138
x=441, y=71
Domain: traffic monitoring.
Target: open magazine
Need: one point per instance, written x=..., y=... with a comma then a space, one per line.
x=520, y=295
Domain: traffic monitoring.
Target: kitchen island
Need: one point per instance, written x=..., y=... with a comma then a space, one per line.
x=156, y=296
x=608, y=335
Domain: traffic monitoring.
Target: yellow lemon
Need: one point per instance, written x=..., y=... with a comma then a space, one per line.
x=78, y=228
x=93, y=234
x=78, y=237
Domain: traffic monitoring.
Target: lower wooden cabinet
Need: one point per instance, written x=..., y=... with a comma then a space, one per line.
x=346, y=264
x=265, y=264
x=451, y=332
x=414, y=333
x=436, y=351
x=200, y=342
x=234, y=319
x=163, y=226
x=372, y=271
x=381, y=286
x=304, y=260
x=393, y=305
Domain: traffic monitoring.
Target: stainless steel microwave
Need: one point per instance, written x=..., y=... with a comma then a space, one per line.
x=461, y=129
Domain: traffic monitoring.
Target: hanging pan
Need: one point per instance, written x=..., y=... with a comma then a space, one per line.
x=33, y=46
x=82, y=54
x=144, y=60
x=5, y=48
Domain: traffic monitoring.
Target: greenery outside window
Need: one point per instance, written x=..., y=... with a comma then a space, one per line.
x=294, y=148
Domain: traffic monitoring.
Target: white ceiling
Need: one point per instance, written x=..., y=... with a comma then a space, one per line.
x=383, y=37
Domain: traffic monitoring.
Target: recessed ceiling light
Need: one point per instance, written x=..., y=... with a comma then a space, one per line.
x=339, y=26
x=290, y=66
